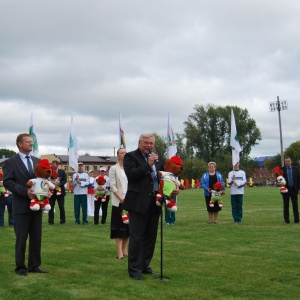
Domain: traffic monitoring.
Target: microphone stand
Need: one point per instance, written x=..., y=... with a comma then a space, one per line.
x=161, y=278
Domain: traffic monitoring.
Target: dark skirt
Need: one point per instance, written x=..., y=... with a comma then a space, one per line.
x=117, y=228
x=216, y=207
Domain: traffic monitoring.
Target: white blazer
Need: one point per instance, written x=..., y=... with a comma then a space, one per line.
x=118, y=183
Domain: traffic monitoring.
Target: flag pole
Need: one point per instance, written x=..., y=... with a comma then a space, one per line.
x=35, y=147
x=73, y=149
x=68, y=169
x=234, y=142
x=121, y=133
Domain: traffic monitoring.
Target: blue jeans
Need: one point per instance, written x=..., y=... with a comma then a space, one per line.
x=170, y=216
x=8, y=202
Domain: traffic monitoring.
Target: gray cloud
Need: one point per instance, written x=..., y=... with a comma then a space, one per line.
x=93, y=59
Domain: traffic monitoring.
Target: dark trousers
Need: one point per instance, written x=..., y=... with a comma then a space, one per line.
x=97, y=206
x=61, y=204
x=28, y=225
x=237, y=208
x=80, y=200
x=286, y=201
x=8, y=202
x=143, y=233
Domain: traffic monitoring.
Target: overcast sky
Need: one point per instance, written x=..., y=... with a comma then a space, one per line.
x=92, y=59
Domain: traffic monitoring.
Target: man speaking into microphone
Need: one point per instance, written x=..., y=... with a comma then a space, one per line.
x=141, y=167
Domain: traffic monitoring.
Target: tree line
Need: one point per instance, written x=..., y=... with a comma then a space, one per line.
x=206, y=138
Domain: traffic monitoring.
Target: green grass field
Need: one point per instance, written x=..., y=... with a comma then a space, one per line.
x=259, y=259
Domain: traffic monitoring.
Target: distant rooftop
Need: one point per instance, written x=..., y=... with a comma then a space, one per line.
x=261, y=160
x=91, y=159
x=3, y=158
x=86, y=159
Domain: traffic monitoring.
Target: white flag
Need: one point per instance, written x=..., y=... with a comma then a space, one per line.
x=234, y=142
x=122, y=133
x=73, y=149
x=235, y=156
x=172, y=147
x=35, y=147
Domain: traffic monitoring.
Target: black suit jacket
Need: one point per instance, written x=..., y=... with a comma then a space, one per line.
x=140, y=183
x=63, y=181
x=296, y=178
x=15, y=178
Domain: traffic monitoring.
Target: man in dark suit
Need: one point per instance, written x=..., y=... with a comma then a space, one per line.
x=141, y=167
x=17, y=171
x=292, y=176
x=62, y=180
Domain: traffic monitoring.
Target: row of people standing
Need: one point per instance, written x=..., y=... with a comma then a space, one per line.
x=81, y=182
x=28, y=223
x=236, y=180
x=139, y=201
x=133, y=185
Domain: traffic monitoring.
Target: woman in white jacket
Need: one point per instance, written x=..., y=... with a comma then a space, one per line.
x=118, y=186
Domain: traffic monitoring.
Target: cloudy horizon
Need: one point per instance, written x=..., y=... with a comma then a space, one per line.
x=92, y=60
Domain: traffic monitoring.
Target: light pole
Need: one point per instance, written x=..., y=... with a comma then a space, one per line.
x=279, y=105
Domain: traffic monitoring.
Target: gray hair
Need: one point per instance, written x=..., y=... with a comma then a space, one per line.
x=146, y=135
x=212, y=163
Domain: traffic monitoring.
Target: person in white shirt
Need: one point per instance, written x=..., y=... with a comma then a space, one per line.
x=80, y=182
x=90, y=194
x=237, y=180
x=99, y=204
x=118, y=184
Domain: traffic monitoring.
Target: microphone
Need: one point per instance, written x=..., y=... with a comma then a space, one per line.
x=156, y=161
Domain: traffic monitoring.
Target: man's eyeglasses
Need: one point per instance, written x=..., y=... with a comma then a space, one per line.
x=28, y=142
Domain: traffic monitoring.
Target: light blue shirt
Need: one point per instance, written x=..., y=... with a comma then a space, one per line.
x=24, y=159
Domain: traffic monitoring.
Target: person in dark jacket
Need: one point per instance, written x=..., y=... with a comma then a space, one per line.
x=141, y=167
x=17, y=171
x=292, y=178
x=59, y=197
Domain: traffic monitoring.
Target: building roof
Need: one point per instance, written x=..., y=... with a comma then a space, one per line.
x=261, y=160
x=90, y=159
x=86, y=159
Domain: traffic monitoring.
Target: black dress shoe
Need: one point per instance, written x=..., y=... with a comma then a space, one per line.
x=21, y=272
x=37, y=270
x=136, y=277
x=148, y=271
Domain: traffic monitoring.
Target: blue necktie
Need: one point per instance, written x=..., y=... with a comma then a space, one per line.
x=155, y=182
x=290, y=177
x=153, y=176
x=29, y=166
